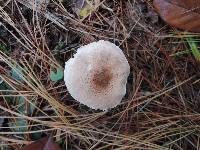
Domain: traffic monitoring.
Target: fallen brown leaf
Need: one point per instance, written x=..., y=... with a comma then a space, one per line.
x=182, y=14
x=42, y=144
x=50, y=145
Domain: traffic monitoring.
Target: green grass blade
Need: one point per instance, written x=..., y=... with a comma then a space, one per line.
x=193, y=47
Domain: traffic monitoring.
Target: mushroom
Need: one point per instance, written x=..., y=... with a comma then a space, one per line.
x=97, y=75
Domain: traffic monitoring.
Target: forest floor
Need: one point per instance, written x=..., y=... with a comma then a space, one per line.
x=161, y=109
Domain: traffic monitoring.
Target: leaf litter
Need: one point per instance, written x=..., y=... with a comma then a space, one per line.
x=167, y=117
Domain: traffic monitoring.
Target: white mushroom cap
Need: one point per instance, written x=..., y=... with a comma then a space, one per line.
x=97, y=75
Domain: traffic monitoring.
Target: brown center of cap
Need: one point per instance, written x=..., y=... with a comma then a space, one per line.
x=101, y=78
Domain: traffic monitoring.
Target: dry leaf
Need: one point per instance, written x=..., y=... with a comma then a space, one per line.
x=183, y=14
x=42, y=144
x=50, y=145
x=84, y=7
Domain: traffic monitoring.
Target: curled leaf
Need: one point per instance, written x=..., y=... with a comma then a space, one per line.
x=182, y=14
